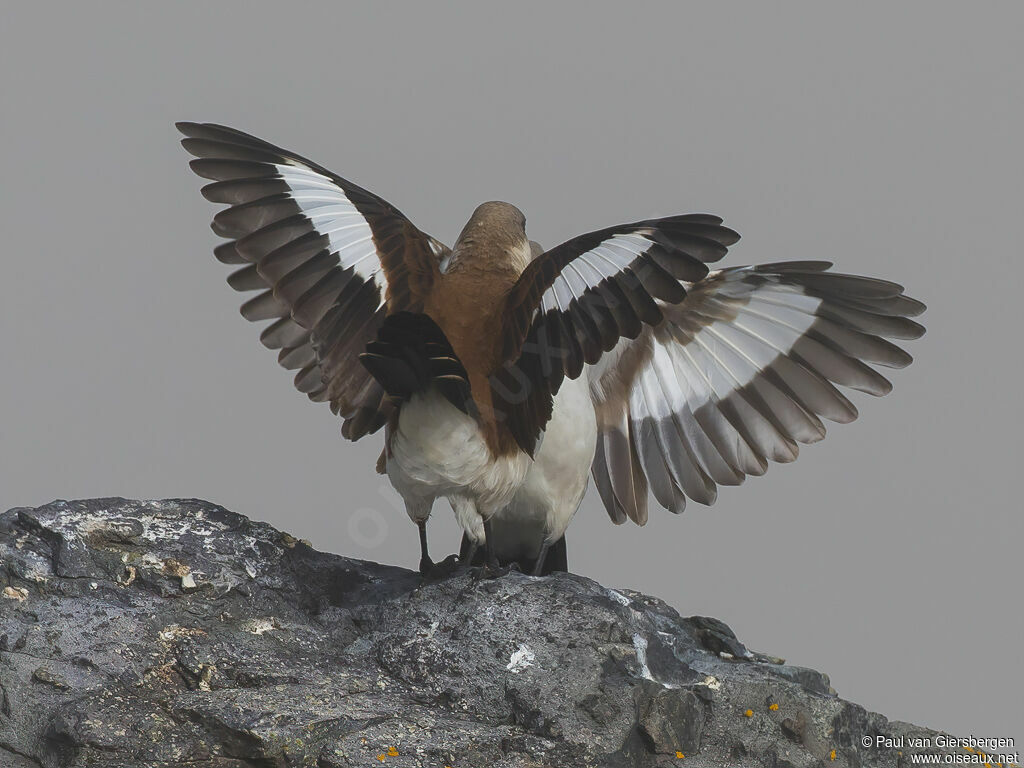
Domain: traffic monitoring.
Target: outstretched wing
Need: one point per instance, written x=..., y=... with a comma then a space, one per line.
x=574, y=302
x=329, y=260
x=742, y=371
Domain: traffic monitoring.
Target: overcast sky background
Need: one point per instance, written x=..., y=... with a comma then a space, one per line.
x=885, y=137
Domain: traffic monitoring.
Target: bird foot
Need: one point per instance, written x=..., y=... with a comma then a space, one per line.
x=494, y=570
x=432, y=571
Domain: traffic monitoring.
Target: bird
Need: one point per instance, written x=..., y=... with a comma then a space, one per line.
x=505, y=376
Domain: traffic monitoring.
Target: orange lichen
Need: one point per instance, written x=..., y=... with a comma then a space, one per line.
x=749, y=713
x=773, y=707
x=392, y=752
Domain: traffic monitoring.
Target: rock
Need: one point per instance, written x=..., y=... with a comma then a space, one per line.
x=177, y=633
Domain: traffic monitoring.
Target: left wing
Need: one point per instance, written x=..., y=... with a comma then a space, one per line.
x=329, y=259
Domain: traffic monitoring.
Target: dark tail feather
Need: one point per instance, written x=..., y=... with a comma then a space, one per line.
x=412, y=354
x=556, y=560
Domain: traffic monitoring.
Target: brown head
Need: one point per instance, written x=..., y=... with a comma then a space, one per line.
x=494, y=237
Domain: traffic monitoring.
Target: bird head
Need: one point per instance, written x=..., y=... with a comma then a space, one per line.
x=494, y=236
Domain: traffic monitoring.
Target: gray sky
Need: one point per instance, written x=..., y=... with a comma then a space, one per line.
x=884, y=137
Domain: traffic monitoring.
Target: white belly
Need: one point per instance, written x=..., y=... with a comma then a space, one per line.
x=437, y=450
x=551, y=493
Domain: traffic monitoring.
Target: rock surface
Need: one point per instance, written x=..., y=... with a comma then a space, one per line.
x=177, y=633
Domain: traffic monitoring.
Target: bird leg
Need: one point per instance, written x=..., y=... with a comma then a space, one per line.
x=425, y=562
x=470, y=552
x=491, y=559
x=492, y=567
x=538, y=566
x=428, y=567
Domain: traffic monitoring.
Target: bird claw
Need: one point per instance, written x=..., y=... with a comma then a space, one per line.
x=489, y=571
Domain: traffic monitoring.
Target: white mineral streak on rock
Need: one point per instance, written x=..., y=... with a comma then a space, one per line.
x=640, y=646
x=520, y=659
x=618, y=597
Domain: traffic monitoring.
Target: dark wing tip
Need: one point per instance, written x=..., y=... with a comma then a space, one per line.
x=721, y=234
x=724, y=235
x=699, y=218
x=913, y=307
x=187, y=127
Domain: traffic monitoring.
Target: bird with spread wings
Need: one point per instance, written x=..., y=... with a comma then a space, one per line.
x=504, y=375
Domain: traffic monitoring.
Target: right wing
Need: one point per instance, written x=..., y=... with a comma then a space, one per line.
x=738, y=374
x=574, y=302
x=329, y=259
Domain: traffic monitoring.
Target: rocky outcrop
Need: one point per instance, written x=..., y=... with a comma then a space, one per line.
x=177, y=633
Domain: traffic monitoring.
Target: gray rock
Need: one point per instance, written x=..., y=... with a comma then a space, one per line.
x=177, y=633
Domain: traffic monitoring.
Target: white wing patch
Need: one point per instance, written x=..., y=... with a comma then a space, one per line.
x=331, y=213
x=605, y=260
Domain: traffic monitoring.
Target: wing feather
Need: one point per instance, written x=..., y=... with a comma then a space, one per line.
x=573, y=303
x=329, y=258
x=740, y=373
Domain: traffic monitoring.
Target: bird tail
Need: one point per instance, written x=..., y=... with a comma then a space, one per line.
x=411, y=354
